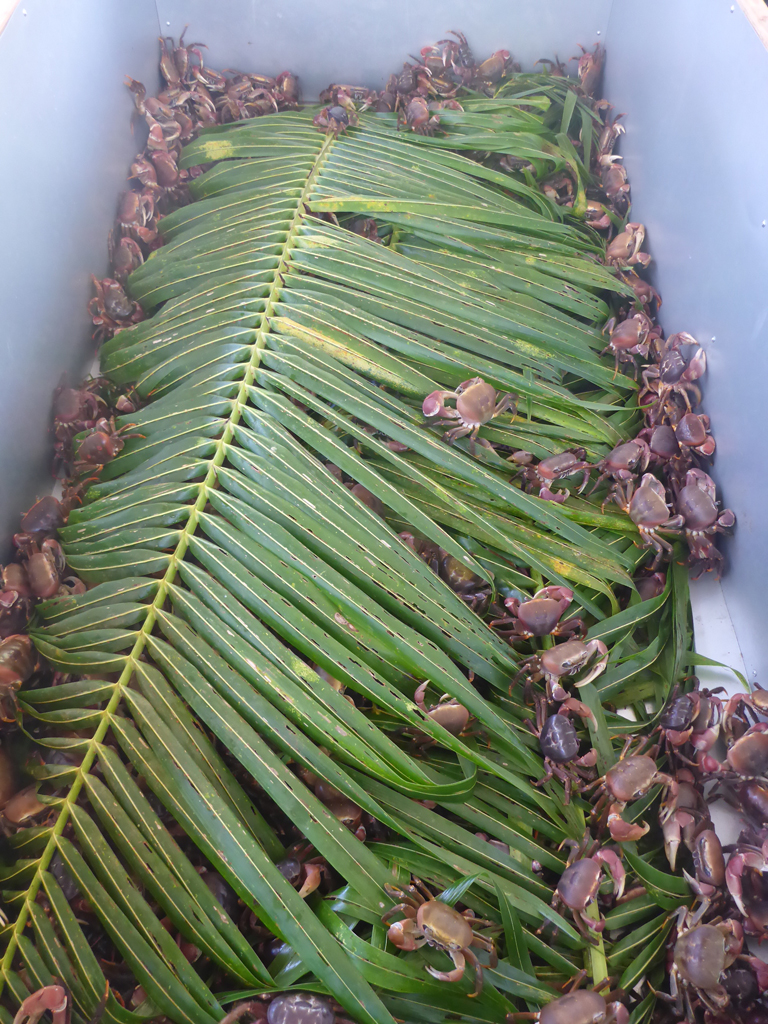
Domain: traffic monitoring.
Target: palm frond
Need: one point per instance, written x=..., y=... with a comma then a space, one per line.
x=231, y=574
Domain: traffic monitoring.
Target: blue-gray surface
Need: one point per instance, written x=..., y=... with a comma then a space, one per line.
x=363, y=41
x=693, y=79
x=691, y=74
x=66, y=150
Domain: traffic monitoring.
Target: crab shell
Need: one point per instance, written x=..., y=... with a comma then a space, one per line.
x=575, y=1008
x=542, y=612
x=648, y=506
x=443, y=926
x=476, y=402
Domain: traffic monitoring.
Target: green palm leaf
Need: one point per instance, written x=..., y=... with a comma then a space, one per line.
x=229, y=569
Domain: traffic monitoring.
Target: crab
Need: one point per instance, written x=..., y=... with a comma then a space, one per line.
x=305, y=873
x=580, y=882
x=136, y=216
x=750, y=855
x=632, y=777
x=597, y=216
x=580, y=1007
x=53, y=999
x=45, y=565
x=697, y=506
x=613, y=176
x=645, y=293
x=428, y=920
x=666, y=451
x=125, y=256
x=448, y=712
x=477, y=403
x=471, y=588
x=17, y=663
x=647, y=507
x=694, y=716
x=673, y=376
x=559, y=744
x=650, y=585
x=101, y=445
x=346, y=810
x=686, y=819
x=287, y=88
x=708, y=862
x=417, y=117
x=701, y=954
x=692, y=431
x=609, y=135
x=539, y=616
x=623, y=462
x=624, y=249
x=286, y=1008
x=463, y=51
x=628, y=339
x=554, y=467
x=590, y=68
x=496, y=67
x=111, y=310
x=564, y=660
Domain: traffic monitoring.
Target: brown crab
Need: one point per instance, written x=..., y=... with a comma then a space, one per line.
x=539, y=616
x=334, y=120
x=434, y=923
x=580, y=882
x=590, y=68
x=563, y=660
x=701, y=954
x=647, y=507
x=555, y=467
x=632, y=777
x=692, y=431
x=580, y=1007
x=624, y=249
x=627, y=339
x=645, y=293
x=136, y=216
x=448, y=712
x=101, y=446
x=17, y=663
x=417, y=117
x=613, y=176
x=623, y=462
x=477, y=403
x=673, y=376
x=697, y=506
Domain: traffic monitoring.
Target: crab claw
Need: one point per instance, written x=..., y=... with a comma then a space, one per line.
x=312, y=881
x=52, y=998
x=434, y=405
x=761, y=971
x=624, y=831
x=558, y=496
x=616, y=868
x=600, y=664
x=458, y=971
x=671, y=832
x=576, y=706
x=405, y=935
x=419, y=694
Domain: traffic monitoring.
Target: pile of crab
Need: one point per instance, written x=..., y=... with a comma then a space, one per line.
x=659, y=478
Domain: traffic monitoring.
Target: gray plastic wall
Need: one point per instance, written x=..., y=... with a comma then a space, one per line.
x=691, y=75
